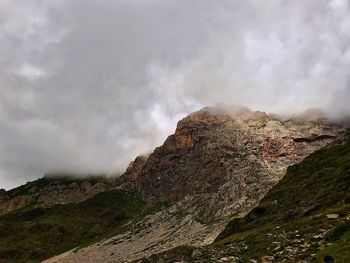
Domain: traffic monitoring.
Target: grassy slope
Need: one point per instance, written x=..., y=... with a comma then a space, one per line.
x=318, y=186
x=32, y=234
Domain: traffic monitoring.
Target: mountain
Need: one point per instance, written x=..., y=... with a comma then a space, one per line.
x=59, y=213
x=54, y=189
x=303, y=218
x=217, y=166
x=222, y=161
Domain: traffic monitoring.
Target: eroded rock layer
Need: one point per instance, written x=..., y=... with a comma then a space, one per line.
x=52, y=190
x=222, y=161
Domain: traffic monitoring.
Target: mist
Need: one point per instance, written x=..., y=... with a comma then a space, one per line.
x=88, y=85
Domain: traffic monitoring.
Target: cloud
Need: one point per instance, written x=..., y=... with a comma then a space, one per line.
x=30, y=72
x=87, y=85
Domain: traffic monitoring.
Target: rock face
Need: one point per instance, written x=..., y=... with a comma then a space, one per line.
x=222, y=161
x=14, y=203
x=49, y=191
x=217, y=166
x=127, y=180
x=294, y=222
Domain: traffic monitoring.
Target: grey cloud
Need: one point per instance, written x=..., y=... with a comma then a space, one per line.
x=87, y=85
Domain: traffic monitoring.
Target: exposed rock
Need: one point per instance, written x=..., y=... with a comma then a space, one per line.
x=197, y=253
x=15, y=203
x=222, y=161
x=135, y=167
x=332, y=216
x=217, y=165
x=61, y=194
x=52, y=190
x=267, y=259
x=155, y=233
x=127, y=180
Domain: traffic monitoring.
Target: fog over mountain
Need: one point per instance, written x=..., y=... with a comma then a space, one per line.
x=87, y=85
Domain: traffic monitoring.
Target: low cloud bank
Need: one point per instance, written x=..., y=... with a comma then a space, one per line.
x=87, y=85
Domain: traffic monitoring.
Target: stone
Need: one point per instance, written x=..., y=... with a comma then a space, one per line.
x=277, y=248
x=332, y=216
x=196, y=253
x=267, y=259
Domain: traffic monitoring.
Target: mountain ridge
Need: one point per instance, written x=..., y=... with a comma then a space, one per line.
x=303, y=218
x=217, y=166
x=209, y=146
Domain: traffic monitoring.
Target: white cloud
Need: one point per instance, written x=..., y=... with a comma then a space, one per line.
x=97, y=82
x=31, y=72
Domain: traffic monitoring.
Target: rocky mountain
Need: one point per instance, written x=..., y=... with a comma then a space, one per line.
x=217, y=166
x=54, y=189
x=303, y=218
x=221, y=161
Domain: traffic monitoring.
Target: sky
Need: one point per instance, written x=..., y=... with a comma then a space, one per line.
x=87, y=85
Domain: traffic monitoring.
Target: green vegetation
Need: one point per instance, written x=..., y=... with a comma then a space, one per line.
x=338, y=232
x=339, y=243
x=297, y=207
x=340, y=250
x=32, y=234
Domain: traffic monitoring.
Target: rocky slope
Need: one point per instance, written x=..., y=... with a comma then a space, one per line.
x=53, y=189
x=303, y=218
x=222, y=161
x=217, y=166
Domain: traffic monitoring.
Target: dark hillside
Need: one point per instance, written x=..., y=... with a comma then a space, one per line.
x=32, y=234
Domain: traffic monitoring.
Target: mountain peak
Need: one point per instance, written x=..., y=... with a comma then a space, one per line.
x=222, y=158
x=218, y=165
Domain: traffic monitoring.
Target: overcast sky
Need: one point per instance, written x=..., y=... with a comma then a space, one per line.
x=86, y=85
